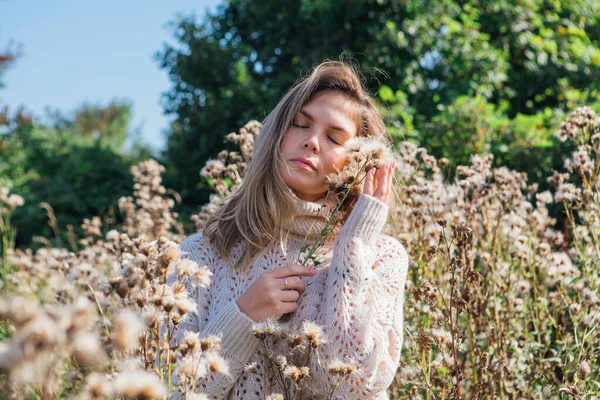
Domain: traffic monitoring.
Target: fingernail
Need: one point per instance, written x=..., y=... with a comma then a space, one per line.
x=313, y=271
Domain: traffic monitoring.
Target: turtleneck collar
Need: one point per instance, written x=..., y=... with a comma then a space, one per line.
x=311, y=216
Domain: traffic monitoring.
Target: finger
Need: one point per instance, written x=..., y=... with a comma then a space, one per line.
x=386, y=183
x=368, y=187
x=381, y=191
x=292, y=270
x=294, y=283
x=288, y=307
x=391, y=177
x=289, y=295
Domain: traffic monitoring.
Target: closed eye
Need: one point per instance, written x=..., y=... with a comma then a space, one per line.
x=330, y=138
x=300, y=126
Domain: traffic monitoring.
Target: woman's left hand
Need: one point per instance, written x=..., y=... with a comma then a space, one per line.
x=378, y=183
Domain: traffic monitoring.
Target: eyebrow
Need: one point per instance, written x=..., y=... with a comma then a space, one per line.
x=336, y=128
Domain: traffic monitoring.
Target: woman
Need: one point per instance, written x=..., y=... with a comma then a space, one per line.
x=356, y=291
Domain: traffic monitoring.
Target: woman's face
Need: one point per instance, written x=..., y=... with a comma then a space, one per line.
x=317, y=136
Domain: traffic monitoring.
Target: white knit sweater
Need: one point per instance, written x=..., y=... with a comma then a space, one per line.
x=357, y=297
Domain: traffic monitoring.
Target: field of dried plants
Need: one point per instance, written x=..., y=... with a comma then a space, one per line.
x=500, y=302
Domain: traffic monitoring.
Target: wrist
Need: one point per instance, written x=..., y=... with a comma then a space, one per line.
x=366, y=220
x=241, y=305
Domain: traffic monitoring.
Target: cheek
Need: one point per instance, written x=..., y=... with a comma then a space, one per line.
x=338, y=162
x=284, y=144
x=288, y=144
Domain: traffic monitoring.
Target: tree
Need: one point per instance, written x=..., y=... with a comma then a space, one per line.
x=77, y=164
x=94, y=122
x=65, y=166
x=8, y=58
x=521, y=57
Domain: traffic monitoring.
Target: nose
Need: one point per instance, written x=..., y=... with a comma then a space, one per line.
x=312, y=143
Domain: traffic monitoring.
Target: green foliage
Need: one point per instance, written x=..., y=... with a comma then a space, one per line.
x=524, y=143
x=77, y=165
x=77, y=180
x=426, y=61
x=398, y=114
x=107, y=125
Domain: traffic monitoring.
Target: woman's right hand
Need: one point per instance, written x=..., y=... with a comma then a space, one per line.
x=268, y=297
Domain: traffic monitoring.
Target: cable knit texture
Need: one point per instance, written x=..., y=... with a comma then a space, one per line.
x=357, y=297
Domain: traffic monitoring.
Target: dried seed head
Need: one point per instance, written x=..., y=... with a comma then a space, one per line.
x=167, y=303
x=339, y=368
x=140, y=385
x=152, y=317
x=251, y=368
x=210, y=343
x=127, y=327
x=296, y=374
x=269, y=327
x=98, y=385
x=313, y=333
x=167, y=258
x=122, y=288
x=87, y=349
x=432, y=250
x=112, y=236
x=281, y=361
x=18, y=309
x=185, y=305
x=584, y=370
x=216, y=363
x=202, y=277
x=484, y=361
x=186, y=267
x=193, y=366
x=191, y=341
x=295, y=341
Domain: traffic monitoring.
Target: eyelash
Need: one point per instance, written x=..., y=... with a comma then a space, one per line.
x=305, y=127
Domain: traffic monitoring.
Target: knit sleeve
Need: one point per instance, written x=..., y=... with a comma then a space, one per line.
x=228, y=322
x=362, y=312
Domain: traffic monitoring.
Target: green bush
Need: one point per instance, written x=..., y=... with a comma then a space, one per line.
x=78, y=179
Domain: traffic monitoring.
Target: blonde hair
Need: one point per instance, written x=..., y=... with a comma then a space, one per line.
x=255, y=211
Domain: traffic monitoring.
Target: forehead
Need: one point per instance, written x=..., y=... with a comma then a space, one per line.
x=335, y=107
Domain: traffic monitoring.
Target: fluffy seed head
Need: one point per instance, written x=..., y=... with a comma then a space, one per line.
x=313, y=333
x=127, y=327
x=139, y=385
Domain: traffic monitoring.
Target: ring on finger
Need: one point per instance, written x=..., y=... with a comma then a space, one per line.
x=285, y=282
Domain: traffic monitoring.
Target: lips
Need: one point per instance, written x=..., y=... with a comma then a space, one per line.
x=305, y=162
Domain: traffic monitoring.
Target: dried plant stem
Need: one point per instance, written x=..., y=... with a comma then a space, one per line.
x=52, y=221
x=325, y=230
x=453, y=331
x=270, y=364
x=334, y=387
x=304, y=240
x=99, y=307
x=169, y=372
x=159, y=352
x=194, y=380
x=145, y=350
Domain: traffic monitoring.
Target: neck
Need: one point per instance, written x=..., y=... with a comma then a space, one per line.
x=310, y=217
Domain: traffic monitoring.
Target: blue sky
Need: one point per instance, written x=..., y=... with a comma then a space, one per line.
x=76, y=51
